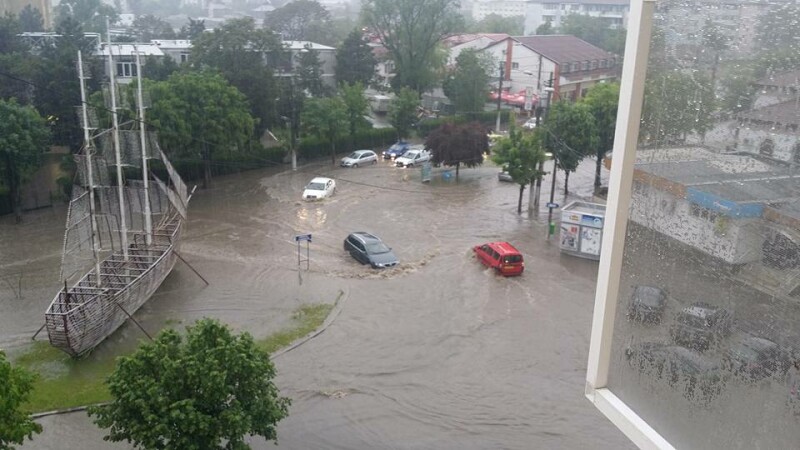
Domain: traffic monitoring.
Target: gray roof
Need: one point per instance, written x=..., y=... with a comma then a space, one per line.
x=786, y=113
x=563, y=48
x=781, y=79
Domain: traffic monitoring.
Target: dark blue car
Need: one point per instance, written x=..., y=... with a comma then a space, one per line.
x=396, y=150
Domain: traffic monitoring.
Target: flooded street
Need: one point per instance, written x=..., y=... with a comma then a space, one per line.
x=438, y=352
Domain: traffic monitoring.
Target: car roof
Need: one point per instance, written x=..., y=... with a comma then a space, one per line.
x=504, y=248
x=320, y=180
x=365, y=237
x=701, y=310
x=362, y=151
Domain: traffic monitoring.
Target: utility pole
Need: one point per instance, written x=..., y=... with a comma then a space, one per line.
x=499, y=93
x=550, y=205
x=292, y=123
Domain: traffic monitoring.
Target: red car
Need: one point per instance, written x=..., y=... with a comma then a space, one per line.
x=501, y=256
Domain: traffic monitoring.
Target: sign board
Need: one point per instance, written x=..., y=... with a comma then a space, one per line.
x=552, y=205
x=302, y=237
x=426, y=171
x=528, y=98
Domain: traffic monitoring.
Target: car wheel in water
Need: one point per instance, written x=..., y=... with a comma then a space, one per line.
x=355, y=166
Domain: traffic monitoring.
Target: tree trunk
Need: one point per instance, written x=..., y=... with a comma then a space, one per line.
x=532, y=197
x=206, y=167
x=597, y=171
x=566, y=183
x=333, y=153
x=458, y=165
x=519, y=202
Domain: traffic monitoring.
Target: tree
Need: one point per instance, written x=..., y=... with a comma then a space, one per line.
x=23, y=139
x=456, y=144
x=411, y=30
x=571, y=135
x=199, y=113
x=299, y=20
x=149, y=27
x=159, y=68
x=603, y=100
x=193, y=29
x=90, y=14
x=495, y=23
x=545, y=28
x=355, y=104
x=156, y=7
x=207, y=390
x=777, y=29
x=309, y=72
x=15, y=386
x=594, y=30
x=237, y=50
x=325, y=118
x=403, y=111
x=521, y=155
x=468, y=85
x=355, y=62
x=675, y=105
x=16, y=61
x=30, y=19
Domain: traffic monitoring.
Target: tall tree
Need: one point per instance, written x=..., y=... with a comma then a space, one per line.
x=199, y=113
x=91, y=15
x=355, y=104
x=207, y=390
x=603, y=100
x=522, y=155
x=309, y=72
x=594, y=30
x=237, y=49
x=299, y=20
x=30, y=19
x=193, y=29
x=675, y=105
x=411, y=30
x=468, y=84
x=23, y=139
x=571, y=135
x=403, y=112
x=15, y=386
x=546, y=28
x=158, y=68
x=16, y=61
x=325, y=118
x=456, y=144
x=149, y=27
x=355, y=62
x=495, y=23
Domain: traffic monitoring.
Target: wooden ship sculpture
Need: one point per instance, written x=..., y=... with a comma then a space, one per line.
x=122, y=236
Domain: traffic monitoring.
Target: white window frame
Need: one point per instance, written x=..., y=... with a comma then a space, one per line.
x=619, y=200
x=125, y=69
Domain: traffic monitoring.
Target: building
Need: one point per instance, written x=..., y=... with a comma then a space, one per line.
x=503, y=8
x=177, y=49
x=539, y=12
x=529, y=62
x=478, y=41
x=327, y=58
x=15, y=6
x=125, y=58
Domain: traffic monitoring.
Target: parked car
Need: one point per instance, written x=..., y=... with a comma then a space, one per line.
x=753, y=358
x=647, y=304
x=369, y=249
x=503, y=175
x=413, y=158
x=397, y=149
x=529, y=124
x=318, y=188
x=701, y=325
x=359, y=158
x=502, y=257
x=700, y=377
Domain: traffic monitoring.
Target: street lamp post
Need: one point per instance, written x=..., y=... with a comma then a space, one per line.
x=551, y=205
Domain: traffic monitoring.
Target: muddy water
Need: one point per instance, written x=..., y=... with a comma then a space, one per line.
x=436, y=353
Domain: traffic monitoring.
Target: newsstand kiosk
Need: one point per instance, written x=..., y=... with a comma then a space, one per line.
x=582, y=229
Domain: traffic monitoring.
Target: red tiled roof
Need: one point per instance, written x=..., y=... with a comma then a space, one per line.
x=563, y=49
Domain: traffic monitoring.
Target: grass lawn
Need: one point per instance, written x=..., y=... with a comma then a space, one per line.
x=66, y=383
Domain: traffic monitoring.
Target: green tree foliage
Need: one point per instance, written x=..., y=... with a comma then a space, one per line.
x=193, y=29
x=455, y=144
x=522, y=155
x=675, y=105
x=467, y=86
x=403, y=111
x=355, y=62
x=300, y=20
x=207, y=390
x=149, y=27
x=309, y=72
x=23, y=139
x=200, y=114
x=15, y=387
x=326, y=118
x=158, y=68
x=571, y=135
x=90, y=14
x=16, y=61
x=777, y=29
x=495, y=23
x=30, y=19
x=237, y=50
x=546, y=28
x=355, y=103
x=602, y=100
x=411, y=31
x=594, y=30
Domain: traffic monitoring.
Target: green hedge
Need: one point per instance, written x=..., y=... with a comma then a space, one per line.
x=192, y=169
x=488, y=118
x=371, y=138
x=5, y=201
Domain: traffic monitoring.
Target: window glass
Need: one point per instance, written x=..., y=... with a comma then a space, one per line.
x=715, y=221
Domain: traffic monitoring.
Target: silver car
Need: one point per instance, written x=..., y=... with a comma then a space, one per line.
x=359, y=158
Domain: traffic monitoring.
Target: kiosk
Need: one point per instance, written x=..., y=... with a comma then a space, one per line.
x=582, y=229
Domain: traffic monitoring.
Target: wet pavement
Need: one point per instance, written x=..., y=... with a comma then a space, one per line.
x=436, y=353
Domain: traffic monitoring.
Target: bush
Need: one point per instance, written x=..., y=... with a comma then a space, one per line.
x=369, y=138
x=488, y=118
x=192, y=168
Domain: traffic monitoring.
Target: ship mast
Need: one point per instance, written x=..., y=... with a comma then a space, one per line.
x=123, y=223
x=148, y=224
x=89, y=148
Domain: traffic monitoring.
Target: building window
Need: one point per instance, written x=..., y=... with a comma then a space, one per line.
x=603, y=64
x=515, y=65
x=767, y=148
x=126, y=69
x=550, y=19
x=550, y=6
x=184, y=57
x=594, y=64
x=586, y=65
x=796, y=153
x=566, y=68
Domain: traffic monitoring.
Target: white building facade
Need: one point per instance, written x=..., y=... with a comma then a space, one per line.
x=503, y=8
x=539, y=12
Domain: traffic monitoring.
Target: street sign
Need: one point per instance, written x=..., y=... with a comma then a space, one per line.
x=549, y=205
x=302, y=237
